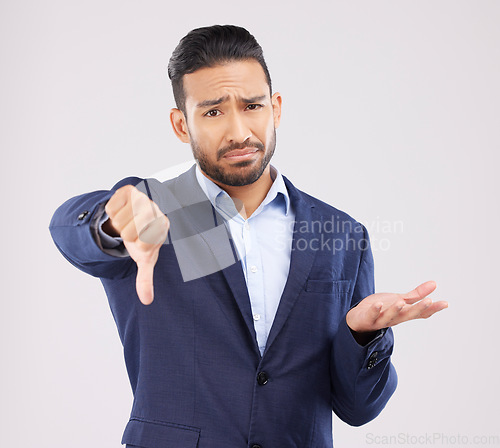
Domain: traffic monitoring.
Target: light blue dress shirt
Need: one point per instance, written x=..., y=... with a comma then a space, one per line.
x=264, y=246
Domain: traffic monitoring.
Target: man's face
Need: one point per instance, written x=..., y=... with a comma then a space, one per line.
x=230, y=121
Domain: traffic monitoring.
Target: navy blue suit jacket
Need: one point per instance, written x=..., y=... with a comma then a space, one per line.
x=192, y=356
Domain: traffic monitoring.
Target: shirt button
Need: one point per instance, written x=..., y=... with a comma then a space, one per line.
x=246, y=225
x=256, y=317
x=262, y=378
x=253, y=269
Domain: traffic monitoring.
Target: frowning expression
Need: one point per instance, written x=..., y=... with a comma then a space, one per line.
x=230, y=120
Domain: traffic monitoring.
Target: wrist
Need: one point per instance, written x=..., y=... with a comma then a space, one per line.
x=364, y=338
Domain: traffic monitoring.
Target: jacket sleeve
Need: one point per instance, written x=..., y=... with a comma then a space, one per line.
x=363, y=377
x=71, y=228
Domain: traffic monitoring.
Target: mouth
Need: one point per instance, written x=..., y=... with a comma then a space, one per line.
x=237, y=155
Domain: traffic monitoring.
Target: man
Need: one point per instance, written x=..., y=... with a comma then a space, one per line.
x=244, y=321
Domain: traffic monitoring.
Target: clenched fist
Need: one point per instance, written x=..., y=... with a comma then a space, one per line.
x=143, y=228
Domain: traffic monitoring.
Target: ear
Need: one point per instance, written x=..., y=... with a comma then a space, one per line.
x=179, y=125
x=276, y=102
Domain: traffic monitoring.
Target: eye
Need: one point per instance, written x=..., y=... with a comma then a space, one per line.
x=254, y=106
x=212, y=113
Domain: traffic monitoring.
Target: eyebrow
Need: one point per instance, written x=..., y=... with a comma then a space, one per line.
x=222, y=99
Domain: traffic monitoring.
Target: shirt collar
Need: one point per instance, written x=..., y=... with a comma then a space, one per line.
x=216, y=194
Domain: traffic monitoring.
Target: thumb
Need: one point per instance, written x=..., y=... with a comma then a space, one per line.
x=144, y=282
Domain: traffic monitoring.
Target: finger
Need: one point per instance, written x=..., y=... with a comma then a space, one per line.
x=120, y=209
x=118, y=200
x=146, y=229
x=149, y=219
x=374, y=311
x=420, y=292
x=155, y=232
x=142, y=204
x=122, y=217
x=422, y=310
x=134, y=222
x=415, y=311
x=433, y=309
x=144, y=282
x=391, y=313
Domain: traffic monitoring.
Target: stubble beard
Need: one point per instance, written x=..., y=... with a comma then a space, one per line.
x=243, y=177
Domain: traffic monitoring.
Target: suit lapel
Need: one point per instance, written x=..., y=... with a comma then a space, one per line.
x=301, y=260
x=188, y=192
x=236, y=280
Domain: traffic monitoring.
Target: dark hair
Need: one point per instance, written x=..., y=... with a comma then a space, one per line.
x=210, y=46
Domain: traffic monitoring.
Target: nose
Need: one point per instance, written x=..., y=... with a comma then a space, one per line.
x=237, y=129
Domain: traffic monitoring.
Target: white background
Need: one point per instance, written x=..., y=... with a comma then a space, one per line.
x=390, y=112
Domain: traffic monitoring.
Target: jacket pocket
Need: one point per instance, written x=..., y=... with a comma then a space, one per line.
x=152, y=434
x=328, y=287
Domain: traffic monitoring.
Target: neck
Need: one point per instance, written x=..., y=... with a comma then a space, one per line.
x=250, y=196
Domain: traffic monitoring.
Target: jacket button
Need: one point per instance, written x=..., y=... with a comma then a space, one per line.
x=82, y=215
x=262, y=379
x=256, y=446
